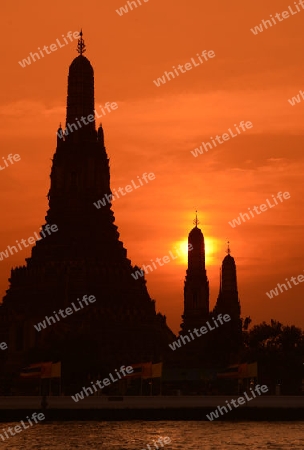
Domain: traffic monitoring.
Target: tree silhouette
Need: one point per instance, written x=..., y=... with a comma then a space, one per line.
x=279, y=351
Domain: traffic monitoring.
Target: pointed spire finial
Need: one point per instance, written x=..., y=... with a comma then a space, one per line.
x=81, y=45
x=228, y=248
x=196, y=221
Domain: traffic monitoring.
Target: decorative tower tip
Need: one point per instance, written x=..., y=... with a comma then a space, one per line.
x=196, y=221
x=81, y=45
x=228, y=248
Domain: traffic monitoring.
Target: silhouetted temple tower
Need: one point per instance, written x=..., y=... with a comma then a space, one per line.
x=84, y=257
x=80, y=101
x=228, y=298
x=196, y=289
x=80, y=174
x=229, y=335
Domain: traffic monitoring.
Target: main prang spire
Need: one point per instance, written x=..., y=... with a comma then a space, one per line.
x=81, y=48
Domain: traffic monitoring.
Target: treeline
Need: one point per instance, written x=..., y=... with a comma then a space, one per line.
x=279, y=352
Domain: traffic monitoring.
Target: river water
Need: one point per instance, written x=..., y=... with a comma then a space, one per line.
x=136, y=435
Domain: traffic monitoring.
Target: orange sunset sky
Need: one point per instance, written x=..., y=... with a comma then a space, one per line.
x=154, y=130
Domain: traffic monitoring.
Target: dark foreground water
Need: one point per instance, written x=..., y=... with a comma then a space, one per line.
x=136, y=435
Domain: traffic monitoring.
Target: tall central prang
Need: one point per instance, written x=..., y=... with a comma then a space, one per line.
x=84, y=257
x=81, y=175
x=196, y=290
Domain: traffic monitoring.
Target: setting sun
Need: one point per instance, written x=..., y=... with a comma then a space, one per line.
x=182, y=248
x=211, y=247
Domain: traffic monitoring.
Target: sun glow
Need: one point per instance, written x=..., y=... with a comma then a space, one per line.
x=182, y=247
x=211, y=247
x=210, y=251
